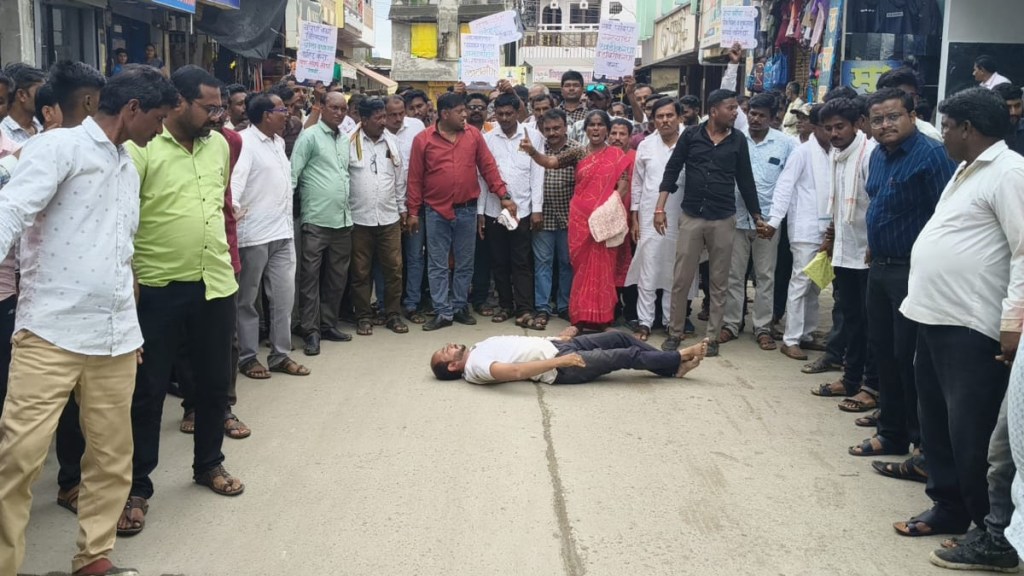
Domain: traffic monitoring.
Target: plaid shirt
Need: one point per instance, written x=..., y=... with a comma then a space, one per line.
x=575, y=116
x=559, y=186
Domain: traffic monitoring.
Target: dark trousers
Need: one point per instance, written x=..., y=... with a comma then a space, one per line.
x=7, y=315
x=481, y=288
x=893, y=339
x=960, y=387
x=382, y=244
x=860, y=362
x=783, y=272
x=187, y=380
x=323, y=265
x=511, y=264
x=835, y=343
x=607, y=352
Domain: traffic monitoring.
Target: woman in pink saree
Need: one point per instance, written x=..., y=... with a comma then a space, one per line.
x=600, y=172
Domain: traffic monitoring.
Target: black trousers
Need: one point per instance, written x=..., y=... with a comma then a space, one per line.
x=860, y=362
x=610, y=351
x=7, y=315
x=783, y=272
x=511, y=264
x=187, y=378
x=893, y=340
x=481, y=288
x=960, y=387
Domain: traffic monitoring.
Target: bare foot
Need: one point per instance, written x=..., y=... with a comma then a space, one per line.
x=570, y=332
x=688, y=365
x=698, y=350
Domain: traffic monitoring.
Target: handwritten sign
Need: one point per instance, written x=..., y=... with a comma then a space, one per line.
x=481, y=60
x=615, y=53
x=739, y=25
x=505, y=26
x=317, y=46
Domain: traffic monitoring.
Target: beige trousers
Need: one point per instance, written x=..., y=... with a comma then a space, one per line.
x=42, y=377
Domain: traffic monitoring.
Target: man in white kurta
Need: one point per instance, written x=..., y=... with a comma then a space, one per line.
x=648, y=270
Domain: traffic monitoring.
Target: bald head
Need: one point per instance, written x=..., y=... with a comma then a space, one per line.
x=334, y=110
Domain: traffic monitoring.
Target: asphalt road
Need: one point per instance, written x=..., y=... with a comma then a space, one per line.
x=370, y=467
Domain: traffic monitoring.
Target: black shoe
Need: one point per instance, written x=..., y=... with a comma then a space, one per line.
x=564, y=315
x=712, y=349
x=436, y=323
x=671, y=343
x=466, y=317
x=312, y=347
x=983, y=553
x=335, y=335
x=688, y=328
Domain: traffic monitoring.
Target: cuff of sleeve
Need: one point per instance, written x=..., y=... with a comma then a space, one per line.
x=1011, y=325
x=775, y=223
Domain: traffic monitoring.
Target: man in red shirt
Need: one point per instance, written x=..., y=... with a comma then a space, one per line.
x=443, y=177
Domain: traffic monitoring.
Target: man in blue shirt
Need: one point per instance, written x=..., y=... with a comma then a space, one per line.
x=907, y=173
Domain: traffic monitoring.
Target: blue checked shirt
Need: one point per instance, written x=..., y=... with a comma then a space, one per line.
x=904, y=187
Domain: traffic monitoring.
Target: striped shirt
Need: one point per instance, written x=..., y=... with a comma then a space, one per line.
x=904, y=187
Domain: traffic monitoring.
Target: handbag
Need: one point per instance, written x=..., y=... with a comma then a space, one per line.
x=608, y=222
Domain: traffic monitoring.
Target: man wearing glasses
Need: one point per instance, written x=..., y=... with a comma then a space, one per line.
x=186, y=286
x=320, y=176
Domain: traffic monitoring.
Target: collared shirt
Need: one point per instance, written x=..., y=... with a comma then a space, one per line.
x=524, y=178
x=292, y=130
x=574, y=116
x=8, y=280
x=559, y=186
x=904, y=186
x=713, y=171
x=850, y=245
x=925, y=127
x=789, y=121
x=995, y=80
x=767, y=160
x=320, y=176
x=967, y=269
x=261, y=189
x=230, y=223
x=802, y=194
x=182, y=236
x=411, y=127
x=74, y=202
x=15, y=133
x=441, y=171
x=377, y=189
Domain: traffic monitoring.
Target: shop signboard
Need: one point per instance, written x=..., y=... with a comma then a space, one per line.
x=188, y=6
x=862, y=75
x=674, y=34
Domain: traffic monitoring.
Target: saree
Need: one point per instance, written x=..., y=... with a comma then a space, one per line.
x=596, y=267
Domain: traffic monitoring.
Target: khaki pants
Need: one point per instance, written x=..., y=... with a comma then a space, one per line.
x=383, y=244
x=695, y=234
x=42, y=376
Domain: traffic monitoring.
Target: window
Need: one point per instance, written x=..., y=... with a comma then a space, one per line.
x=590, y=15
x=551, y=17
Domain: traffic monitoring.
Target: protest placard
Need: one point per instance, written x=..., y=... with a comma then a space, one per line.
x=315, y=58
x=481, y=60
x=739, y=25
x=615, y=53
x=505, y=26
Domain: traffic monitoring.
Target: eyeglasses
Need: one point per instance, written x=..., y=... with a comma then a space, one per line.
x=879, y=121
x=476, y=107
x=281, y=110
x=214, y=111
x=373, y=164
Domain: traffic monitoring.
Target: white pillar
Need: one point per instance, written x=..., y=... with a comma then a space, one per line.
x=17, y=32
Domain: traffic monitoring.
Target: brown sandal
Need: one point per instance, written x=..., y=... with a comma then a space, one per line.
x=396, y=325
x=134, y=503
x=766, y=342
x=68, y=500
x=235, y=428
x=188, y=423
x=290, y=367
x=209, y=479
x=364, y=327
x=253, y=369
x=855, y=405
x=725, y=336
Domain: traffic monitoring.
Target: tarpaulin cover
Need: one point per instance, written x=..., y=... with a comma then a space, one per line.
x=249, y=31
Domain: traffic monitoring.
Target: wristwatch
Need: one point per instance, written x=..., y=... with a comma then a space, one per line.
x=507, y=196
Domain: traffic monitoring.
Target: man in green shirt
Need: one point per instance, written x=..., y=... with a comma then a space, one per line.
x=186, y=286
x=320, y=175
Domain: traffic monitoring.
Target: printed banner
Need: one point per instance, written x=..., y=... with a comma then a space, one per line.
x=862, y=75
x=316, y=54
x=827, y=60
x=481, y=60
x=505, y=26
x=615, y=53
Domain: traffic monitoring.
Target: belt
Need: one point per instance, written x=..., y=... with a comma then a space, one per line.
x=470, y=204
x=891, y=261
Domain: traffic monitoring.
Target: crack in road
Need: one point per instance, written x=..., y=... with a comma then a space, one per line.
x=571, y=560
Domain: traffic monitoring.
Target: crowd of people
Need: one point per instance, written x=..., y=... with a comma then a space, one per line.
x=160, y=229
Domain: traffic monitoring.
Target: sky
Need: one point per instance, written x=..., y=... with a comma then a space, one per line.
x=382, y=28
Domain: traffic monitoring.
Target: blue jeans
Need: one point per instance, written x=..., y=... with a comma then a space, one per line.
x=412, y=246
x=445, y=237
x=546, y=244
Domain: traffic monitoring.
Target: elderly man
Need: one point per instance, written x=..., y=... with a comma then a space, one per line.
x=262, y=196
x=568, y=359
x=320, y=176
x=378, y=195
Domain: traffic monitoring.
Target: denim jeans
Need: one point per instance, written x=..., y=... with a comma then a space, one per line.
x=450, y=237
x=550, y=246
x=415, y=262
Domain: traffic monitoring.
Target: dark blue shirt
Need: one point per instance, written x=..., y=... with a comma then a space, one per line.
x=904, y=187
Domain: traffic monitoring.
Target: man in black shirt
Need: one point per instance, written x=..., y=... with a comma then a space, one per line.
x=717, y=161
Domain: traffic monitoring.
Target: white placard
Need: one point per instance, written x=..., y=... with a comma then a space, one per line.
x=481, y=60
x=317, y=46
x=739, y=25
x=505, y=26
x=615, y=53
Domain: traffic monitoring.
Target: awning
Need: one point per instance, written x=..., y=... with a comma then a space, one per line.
x=550, y=70
x=388, y=83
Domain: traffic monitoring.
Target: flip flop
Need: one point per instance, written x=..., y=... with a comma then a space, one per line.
x=134, y=503
x=885, y=449
x=825, y=390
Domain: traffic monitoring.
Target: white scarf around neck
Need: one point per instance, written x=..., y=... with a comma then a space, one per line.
x=845, y=178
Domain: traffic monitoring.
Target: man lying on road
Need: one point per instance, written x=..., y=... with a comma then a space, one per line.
x=568, y=359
